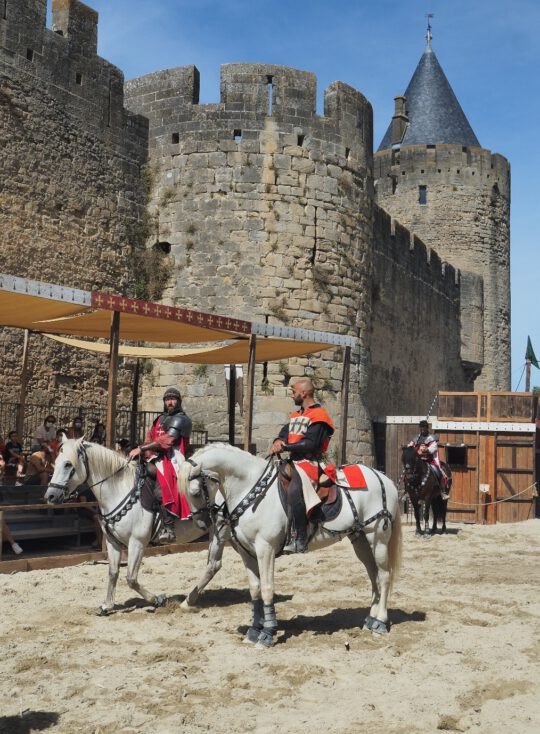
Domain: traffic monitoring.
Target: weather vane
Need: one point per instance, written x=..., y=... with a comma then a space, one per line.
x=429, y=35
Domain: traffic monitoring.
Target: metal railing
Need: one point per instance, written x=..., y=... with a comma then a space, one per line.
x=34, y=415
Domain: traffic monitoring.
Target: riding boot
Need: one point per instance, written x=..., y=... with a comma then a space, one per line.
x=167, y=533
x=295, y=495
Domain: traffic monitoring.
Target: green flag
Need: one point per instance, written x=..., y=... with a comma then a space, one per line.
x=529, y=354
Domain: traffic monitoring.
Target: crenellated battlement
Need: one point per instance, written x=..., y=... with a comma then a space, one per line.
x=398, y=244
x=63, y=60
x=254, y=98
x=443, y=164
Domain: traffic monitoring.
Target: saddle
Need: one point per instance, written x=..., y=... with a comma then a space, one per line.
x=146, y=481
x=327, y=491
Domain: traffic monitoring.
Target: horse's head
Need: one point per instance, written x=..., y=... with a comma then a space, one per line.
x=70, y=471
x=409, y=459
x=199, y=486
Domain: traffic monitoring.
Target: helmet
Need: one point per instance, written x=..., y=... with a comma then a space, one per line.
x=423, y=424
x=172, y=392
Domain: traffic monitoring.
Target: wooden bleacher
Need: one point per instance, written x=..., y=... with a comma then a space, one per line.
x=30, y=518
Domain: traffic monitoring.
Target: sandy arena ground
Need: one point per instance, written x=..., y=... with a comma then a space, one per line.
x=463, y=653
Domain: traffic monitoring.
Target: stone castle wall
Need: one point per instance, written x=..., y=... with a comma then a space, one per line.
x=466, y=220
x=254, y=207
x=267, y=209
x=416, y=344
x=70, y=175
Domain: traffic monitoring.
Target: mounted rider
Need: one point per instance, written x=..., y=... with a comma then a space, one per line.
x=306, y=437
x=427, y=448
x=165, y=447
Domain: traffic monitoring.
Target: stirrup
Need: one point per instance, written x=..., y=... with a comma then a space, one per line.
x=166, y=535
x=297, y=545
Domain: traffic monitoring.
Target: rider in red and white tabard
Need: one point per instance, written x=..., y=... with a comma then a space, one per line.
x=306, y=436
x=428, y=449
x=165, y=446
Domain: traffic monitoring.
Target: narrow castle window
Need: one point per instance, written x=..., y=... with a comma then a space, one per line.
x=30, y=54
x=237, y=135
x=422, y=194
x=175, y=138
x=270, y=83
x=431, y=147
x=78, y=78
x=4, y=14
x=300, y=140
x=458, y=171
x=347, y=153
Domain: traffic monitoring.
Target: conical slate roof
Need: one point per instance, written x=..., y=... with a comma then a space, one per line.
x=435, y=115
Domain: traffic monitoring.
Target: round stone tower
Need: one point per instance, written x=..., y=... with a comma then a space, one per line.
x=266, y=210
x=433, y=176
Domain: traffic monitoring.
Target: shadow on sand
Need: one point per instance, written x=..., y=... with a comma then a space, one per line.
x=339, y=620
x=28, y=721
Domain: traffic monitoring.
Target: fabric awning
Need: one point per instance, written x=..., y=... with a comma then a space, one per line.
x=236, y=352
x=53, y=309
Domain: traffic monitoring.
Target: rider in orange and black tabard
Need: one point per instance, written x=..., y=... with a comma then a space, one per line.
x=165, y=444
x=306, y=437
x=427, y=448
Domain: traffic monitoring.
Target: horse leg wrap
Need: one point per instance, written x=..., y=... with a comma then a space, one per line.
x=270, y=621
x=266, y=636
x=368, y=622
x=252, y=635
x=380, y=628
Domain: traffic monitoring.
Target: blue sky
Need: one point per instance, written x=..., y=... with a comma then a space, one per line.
x=488, y=49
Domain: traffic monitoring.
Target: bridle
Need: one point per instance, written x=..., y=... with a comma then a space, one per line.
x=410, y=476
x=210, y=509
x=82, y=453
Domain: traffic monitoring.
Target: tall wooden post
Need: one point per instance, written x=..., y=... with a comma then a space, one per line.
x=527, y=375
x=232, y=402
x=113, y=380
x=344, y=405
x=24, y=386
x=134, y=404
x=250, y=392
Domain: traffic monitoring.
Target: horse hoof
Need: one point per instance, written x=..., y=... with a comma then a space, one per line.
x=379, y=628
x=186, y=607
x=103, y=612
x=160, y=600
x=264, y=641
x=368, y=622
x=252, y=636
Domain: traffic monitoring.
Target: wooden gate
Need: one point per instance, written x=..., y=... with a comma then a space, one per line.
x=490, y=441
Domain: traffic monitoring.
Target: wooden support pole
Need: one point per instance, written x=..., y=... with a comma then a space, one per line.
x=113, y=380
x=24, y=387
x=527, y=375
x=134, y=404
x=250, y=392
x=344, y=405
x=232, y=402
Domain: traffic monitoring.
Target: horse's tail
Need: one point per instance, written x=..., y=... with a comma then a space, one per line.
x=395, y=548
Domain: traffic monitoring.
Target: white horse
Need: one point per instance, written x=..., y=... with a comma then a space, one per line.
x=126, y=524
x=258, y=521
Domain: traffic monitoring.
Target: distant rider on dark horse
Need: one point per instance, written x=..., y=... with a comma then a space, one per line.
x=427, y=448
x=165, y=444
x=306, y=437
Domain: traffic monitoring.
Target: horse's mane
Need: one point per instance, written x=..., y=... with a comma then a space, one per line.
x=216, y=445
x=106, y=460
